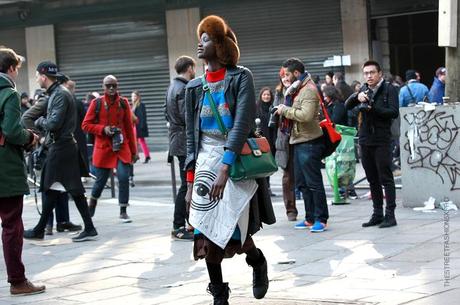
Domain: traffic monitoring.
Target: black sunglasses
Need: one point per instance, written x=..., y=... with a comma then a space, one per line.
x=110, y=85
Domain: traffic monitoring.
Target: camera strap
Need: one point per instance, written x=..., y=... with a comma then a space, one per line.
x=35, y=192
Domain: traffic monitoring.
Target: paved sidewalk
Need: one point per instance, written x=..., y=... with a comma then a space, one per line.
x=138, y=263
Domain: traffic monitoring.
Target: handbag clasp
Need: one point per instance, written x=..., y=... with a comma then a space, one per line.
x=257, y=152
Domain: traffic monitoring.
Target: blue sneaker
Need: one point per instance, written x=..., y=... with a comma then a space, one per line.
x=318, y=227
x=303, y=225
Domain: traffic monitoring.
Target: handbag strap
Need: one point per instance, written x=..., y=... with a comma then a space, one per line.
x=326, y=115
x=214, y=110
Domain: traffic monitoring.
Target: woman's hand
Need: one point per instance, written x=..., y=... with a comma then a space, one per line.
x=217, y=190
x=188, y=196
x=280, y=109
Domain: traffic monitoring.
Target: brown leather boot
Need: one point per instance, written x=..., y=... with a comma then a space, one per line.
x=92, y=206
x=26, y=288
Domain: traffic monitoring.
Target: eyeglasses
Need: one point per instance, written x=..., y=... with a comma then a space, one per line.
x=370, y=72
x=108, y=86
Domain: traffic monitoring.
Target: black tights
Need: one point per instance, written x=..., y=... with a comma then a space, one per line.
x=48, y=206
x=215, y=270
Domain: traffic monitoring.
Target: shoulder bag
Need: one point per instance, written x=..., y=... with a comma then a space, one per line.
x=331, y=137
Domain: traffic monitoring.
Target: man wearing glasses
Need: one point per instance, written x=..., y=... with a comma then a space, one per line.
x=378, y=105
x=109, y=118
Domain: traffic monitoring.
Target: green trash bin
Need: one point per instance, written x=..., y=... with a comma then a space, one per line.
x=341, y=165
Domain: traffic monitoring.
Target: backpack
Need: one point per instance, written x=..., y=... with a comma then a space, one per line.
x=90, y=137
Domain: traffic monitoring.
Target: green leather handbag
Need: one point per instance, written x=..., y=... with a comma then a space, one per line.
x=255, y=159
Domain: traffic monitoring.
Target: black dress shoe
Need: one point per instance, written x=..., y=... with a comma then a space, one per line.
x=388, y=221
x=67, y=226
x=375, y=220
x=31, y=234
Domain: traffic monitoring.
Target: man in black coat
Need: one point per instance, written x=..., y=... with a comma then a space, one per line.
x=63, y=166
x=175, y=115
x=378, y=104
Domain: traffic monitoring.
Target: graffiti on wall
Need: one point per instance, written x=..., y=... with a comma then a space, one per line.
x=433, y=143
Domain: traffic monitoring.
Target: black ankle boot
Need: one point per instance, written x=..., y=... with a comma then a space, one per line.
x=220, y=293
x=374, y=221
x=259, y=276
x=389, y=220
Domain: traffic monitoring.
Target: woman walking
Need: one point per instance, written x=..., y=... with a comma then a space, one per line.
x=142, y=130
x=224, y=213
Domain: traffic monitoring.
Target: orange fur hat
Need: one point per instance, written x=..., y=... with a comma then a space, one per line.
x=224, y=38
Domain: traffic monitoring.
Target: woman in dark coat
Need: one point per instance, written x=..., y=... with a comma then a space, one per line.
x=142, y=130
x=224, y=213
x=264, y=105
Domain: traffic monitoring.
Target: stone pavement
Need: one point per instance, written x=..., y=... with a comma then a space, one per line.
x=138, y=263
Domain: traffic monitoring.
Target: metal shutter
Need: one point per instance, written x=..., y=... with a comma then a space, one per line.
x=379, y=9
x=133, y=49
x=271, y=31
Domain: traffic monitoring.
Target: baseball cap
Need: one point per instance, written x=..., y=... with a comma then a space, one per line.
x=410, y=74
x=48, y=68
x=24, y=95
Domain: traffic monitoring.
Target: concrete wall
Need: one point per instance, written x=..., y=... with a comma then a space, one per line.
x=434, y=167
x=40, y=46
x=355, y=36
x=381, y=47
x=15, y=39
x=453, y=64
x=181, y=27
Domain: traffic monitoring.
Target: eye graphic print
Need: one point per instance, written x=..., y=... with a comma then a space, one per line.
x=203, y=182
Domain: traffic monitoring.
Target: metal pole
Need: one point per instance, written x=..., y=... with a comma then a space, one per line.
x=173, y=176
x=112, y=184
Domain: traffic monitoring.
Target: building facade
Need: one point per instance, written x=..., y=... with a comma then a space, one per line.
x=138, y=41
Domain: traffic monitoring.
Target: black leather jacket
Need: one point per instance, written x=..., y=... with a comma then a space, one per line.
x=61, y=117
x=239, y=93
x=175, y=115
x=375, y=128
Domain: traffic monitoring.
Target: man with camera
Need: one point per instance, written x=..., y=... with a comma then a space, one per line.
x=378, y=105
x=13, y=180
x=38, y=157
x=63, y=166
x=307, y=138
x=109, y=118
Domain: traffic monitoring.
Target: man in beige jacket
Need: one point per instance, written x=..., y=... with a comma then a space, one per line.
x=307, y=138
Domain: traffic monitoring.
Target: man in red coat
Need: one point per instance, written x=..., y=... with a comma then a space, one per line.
x=109, y=118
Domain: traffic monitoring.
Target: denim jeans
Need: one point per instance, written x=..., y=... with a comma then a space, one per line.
x=309, y=180
x=102, y=174
x=61, y=209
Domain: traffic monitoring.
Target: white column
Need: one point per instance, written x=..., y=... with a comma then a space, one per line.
x=181, y=27
x=40, y=47
x=355, y=36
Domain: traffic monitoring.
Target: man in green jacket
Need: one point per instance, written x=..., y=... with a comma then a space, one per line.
x=13, y=180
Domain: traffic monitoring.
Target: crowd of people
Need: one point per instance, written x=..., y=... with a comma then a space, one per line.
x=210, y=118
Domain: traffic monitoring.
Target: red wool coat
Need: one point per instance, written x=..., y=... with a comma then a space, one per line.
x=110, y=115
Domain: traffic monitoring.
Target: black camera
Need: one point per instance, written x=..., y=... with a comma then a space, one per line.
x=117, y=138
x=274, y=118
x=38, y=158
x=366, y=106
